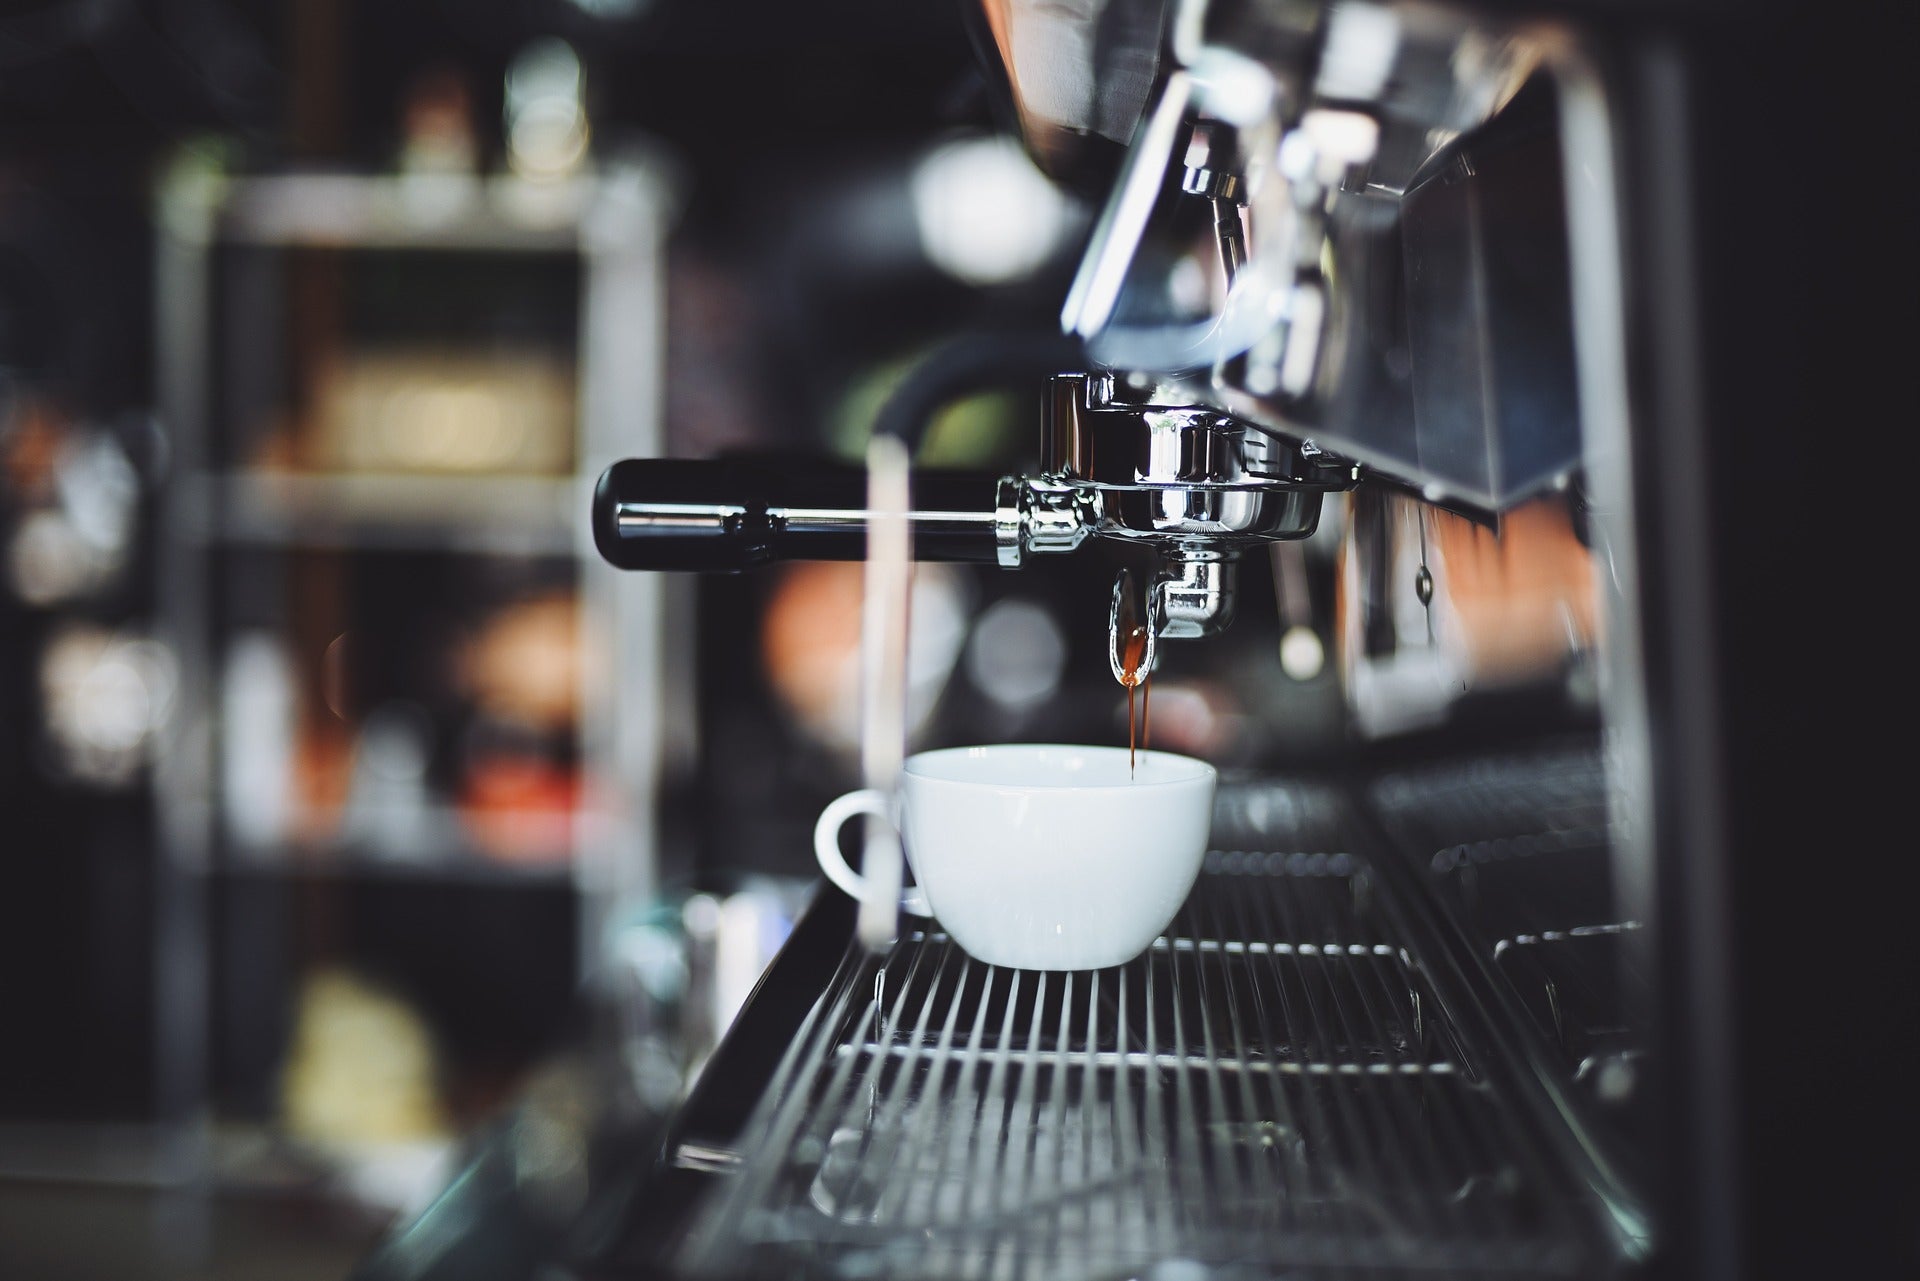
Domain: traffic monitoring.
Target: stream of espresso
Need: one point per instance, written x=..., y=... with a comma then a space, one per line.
x=1134, y=676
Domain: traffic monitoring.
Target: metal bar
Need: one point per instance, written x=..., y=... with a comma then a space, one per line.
x=967, y=1068
x=971, y=1069
x=1460, y=1134
x=1127, y=1129
x=841, y=1085
x=1057, y=1113
x=1571, y=966
x=1173, y=1061
x=1549, y=1129
x=1014, y=1168
x=641, y=731
x=1374, y=1112
x=1179, y=1197
x=924, y=1104
x=1235, y=947
x=792, y=1108
x=185, y=763
x=1346, y=1141
x=1405, y=1118
x=1027, y=1105
x=1288, y=1134
x=995, y=1092
x=1221, y=1154
x=870, y=1126
x=1301, y=1183
x=1381, y=1111
x=817, y=1027
x=1089, y=1088
x=883, y=646
x=1230, y=947
x=1273, y=1198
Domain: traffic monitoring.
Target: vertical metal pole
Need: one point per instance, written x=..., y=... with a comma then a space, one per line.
x=637, y=718
x=1668, y=823
x=183, y=769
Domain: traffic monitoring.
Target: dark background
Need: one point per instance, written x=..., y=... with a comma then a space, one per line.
x=775, y=155
x=95, y=97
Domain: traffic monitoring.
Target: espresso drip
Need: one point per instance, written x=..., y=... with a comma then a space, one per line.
x=1134, y=675
x=1132, y=661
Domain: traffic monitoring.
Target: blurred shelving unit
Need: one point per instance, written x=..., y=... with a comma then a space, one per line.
x=388, y=399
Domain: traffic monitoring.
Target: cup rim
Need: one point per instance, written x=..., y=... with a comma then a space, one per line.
x=1199, y=771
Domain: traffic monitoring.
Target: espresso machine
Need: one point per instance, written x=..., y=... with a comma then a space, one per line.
x=1336, y=252
x=1507, y=992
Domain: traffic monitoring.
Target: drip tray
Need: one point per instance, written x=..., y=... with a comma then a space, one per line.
x=1274, y=1085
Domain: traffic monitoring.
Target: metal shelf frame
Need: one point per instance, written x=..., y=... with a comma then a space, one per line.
x=614, y=220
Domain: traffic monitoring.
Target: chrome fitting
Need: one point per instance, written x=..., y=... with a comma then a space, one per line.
x=1038, y=516
x=1196, y=594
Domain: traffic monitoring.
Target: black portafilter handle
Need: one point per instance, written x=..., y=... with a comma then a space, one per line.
x=726, y=515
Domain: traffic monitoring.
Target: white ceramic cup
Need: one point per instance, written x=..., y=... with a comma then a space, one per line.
x=1044, y=856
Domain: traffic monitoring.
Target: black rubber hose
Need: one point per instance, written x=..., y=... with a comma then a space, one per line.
x=968, y=364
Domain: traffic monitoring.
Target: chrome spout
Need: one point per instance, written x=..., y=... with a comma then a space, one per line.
x=1196, y=594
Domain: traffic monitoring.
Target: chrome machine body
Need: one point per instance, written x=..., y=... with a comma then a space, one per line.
x=1350, y=322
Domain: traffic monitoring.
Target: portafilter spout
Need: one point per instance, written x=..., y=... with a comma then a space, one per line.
x=1194, y=594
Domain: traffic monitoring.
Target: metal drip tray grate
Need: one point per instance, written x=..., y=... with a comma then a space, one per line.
x=1273, y=1086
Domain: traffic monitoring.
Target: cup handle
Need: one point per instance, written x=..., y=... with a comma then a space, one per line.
x=826, y=846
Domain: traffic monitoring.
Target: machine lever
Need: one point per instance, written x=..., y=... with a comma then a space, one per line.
x=727, y=515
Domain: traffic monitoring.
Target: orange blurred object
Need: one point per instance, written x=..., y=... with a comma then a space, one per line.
x=520, y=808
x=1526, y=597
x=525, y=664
x=323, y=769
x=29, y=445
x=524, y=669
x=810, y=646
